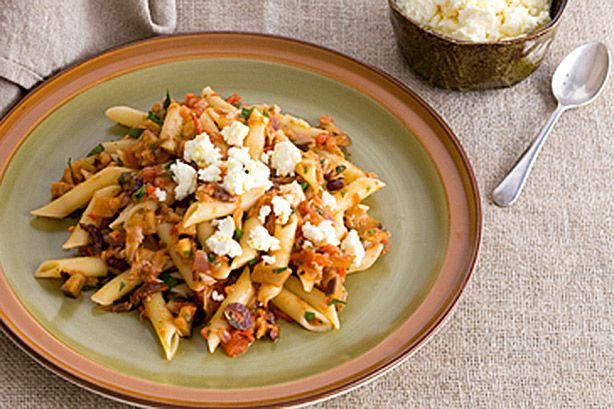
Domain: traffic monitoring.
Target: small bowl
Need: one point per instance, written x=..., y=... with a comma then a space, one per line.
x=463, y=65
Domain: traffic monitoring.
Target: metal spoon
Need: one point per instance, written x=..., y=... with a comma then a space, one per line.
x=577, y=81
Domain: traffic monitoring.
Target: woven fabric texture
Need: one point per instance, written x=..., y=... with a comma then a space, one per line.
x=535, y=327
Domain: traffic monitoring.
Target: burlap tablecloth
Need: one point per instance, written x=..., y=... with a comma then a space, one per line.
x=535, y=327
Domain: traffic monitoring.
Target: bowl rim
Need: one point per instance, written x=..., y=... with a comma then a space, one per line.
x=554, y=22
x=89, y=374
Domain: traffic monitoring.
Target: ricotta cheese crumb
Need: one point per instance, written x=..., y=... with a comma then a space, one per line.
x=201, y=151
x=243, y=173
x=282, y=209
x=211, y=173
x=285, y=157
x=235, y=133
x=185, y=177
x=218, y=297
x=323, y=233
x=479, y=20
x=260, y=239
x=263, y=213
x=268, y=259
x=352, y=246
x=329, y=200
x=221, y=242
x=160, y=194
x=293, y=193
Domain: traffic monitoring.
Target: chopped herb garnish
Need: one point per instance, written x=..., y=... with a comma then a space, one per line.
x=238, y=234
x=319, y=211
x=252, y=262
x=153, y=117
x=211, y=257
x=88, y=288
x=123, y=178
x=167, y=100
x=304, y=185
x=72, y=174
x=167, y=167
x=305, y=169
x=186, y=317
x=322, y=161
x=152, y=146
x=246, y=112
x=122, y=285
x=97, y=149
x=336, y=301
x=135, y=132
x=279, y=270
x=371, y=231
x=140, y=193
x=218, y=264
x=310, y=315
x=368, y=188
x=339, y=169
x=344, y=192
x=266, y=113
x=168, y=279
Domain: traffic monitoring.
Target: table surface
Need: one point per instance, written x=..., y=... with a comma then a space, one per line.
x=535, y=326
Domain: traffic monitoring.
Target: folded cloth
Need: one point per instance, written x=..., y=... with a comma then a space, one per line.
x=40, y=38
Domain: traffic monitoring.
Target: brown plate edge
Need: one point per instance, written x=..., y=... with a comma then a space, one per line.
x=462, y=164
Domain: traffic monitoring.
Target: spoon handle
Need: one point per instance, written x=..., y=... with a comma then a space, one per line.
x=508, y=190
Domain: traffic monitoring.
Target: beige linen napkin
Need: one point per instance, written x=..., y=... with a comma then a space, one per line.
x=41, y=37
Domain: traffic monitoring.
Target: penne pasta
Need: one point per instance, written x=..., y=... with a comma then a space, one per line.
x=216, y=101
x=316, y=298
x=242, y=293
x=79, y=237
x=207, y=123
x=115, y=289
x=200, y=212
x=126, y=116
x=299, y=127
x=162, y=322
x=81, y=194
x=278, y=272
x=300, y=311
x=164, y=231
x=356, y=192
x=248, y=253
x=86, y=266
x=371, y=256
x=171, y=128
x=350, y=173
x=114, y=146
x=307, y=169
x=255, y=138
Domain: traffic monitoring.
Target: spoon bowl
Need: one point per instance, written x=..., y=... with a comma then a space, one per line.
x=580, y=77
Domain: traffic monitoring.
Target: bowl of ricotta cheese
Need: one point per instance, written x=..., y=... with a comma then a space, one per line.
x=475, y=44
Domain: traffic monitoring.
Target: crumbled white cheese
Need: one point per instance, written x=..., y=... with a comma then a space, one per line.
x=218, y=297
x=479, y=20
x=211, y=173
x=352, y=246
x=282, y=209
x=307, y=245
x=201, y=151
x=235, y=133
x=263, y=213
x=260, y=239
x=268, y=259
x=265, y=157
x=160, y=194
x=329, y=200
x=293, y=193
x=323, y=233
x=243, y=173
x=185, y=177
x=221, y=242
x=285, y=157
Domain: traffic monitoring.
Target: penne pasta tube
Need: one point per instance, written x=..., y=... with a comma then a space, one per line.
x=340, y=229
x=316, y=298
x=81, y=194
x=299, y=127
x=164, y=231
x=266, y=292
x=255, y=138
x=162, y=322
x=300, y=311
x=204, y=211
x=351, y=171
x=216, y=101
x=171, y=128
x=114, y=146
x=371, y=256
x=182, y=290
x=204, y=230
x=79, y=237
x=357, y=191
x=248, y=252
x=115, y=289
x=129, y=211
x=307, y=169
x=207, y=123
x=242, y=293
x=86, y=266
x=278, y=272
x=126, y=116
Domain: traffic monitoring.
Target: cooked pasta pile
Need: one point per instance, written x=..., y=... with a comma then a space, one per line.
x=213, y=214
